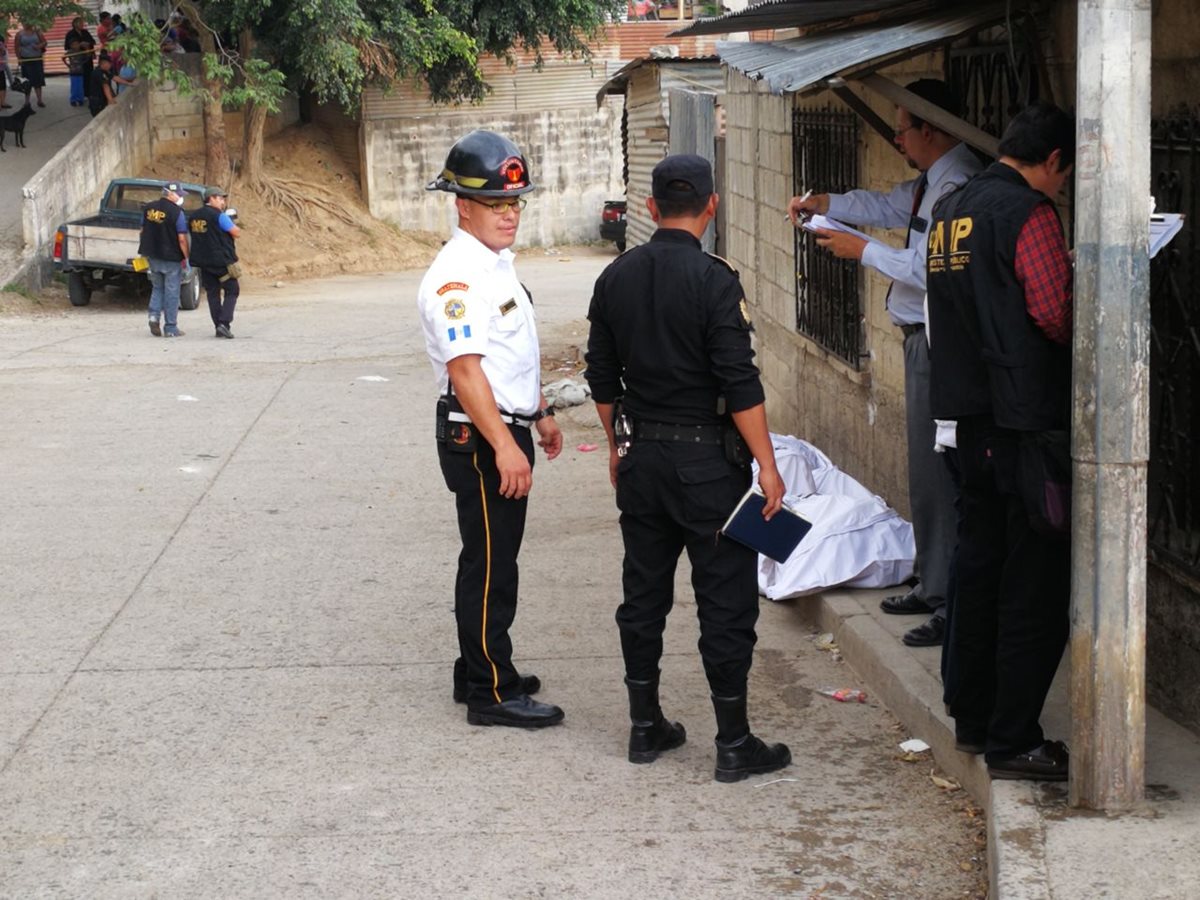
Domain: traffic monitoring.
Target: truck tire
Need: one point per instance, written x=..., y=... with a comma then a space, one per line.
x=189, y=292
x=78, y=290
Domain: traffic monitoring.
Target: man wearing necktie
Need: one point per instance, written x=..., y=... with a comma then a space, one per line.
x=944, y=164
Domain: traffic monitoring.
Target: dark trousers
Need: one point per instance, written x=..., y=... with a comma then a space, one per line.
x=672, y=497
x=221, y=312
x=1011, y=600
x=949, y=667
x=485, y=590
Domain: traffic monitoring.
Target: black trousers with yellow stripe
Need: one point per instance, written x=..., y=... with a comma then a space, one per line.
x=485, y=590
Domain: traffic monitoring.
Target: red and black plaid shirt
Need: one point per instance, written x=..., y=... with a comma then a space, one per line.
x=1043, y=266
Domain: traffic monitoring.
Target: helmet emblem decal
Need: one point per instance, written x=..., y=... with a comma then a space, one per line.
x=512, y=171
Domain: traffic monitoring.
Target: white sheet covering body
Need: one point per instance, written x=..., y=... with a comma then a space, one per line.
x=857, y=540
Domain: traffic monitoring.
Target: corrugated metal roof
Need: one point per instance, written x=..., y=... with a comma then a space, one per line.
x=800, y=14
x=797, y=64
x=619, y=81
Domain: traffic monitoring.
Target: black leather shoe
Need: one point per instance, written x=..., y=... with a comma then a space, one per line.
x=749, y=756
x=905, y=605
x=647, y=741
x=519, y=712
x=530, y=684
x=1049, y=762
x=931, y=634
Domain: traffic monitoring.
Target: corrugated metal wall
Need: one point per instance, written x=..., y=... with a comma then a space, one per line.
x=559, y=85
x=647, y=145
x=693, y=130
x=647, y=99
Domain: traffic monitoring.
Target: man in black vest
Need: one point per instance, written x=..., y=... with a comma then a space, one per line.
x=214, y=254
x=164, y=243
x=1000, y=314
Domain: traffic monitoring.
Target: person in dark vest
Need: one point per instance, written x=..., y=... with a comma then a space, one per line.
x=100, y=86
x=944, y=163
x=215, y=255
x=164, y=243
x=670, y=339
x=1000, y=316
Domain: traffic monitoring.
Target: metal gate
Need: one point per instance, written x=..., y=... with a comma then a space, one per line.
x=1174, y=476
x=693, y=117
x=828, y=308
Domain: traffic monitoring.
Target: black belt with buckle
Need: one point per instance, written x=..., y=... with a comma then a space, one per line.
x=668, y=431
x=910, y=330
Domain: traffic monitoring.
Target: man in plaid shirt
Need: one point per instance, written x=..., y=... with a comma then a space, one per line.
x=1000, y=304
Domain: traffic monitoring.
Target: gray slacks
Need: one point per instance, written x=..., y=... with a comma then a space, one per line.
x=931, y=490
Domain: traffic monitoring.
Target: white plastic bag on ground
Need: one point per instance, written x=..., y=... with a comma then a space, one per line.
x=857, y=540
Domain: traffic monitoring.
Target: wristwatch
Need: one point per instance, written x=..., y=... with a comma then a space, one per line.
x=542, y=413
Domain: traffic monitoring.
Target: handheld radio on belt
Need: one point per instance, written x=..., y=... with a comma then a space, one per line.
x=461, y=437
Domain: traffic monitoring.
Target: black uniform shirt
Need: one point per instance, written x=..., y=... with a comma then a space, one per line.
x=670, y=330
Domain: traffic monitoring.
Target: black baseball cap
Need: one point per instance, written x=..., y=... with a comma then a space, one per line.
x=683, y=176
x=172, y=187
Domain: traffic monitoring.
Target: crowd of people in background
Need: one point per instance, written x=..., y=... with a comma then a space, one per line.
x=96, y=66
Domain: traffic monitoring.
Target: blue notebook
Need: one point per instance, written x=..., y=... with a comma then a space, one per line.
x=775, y=539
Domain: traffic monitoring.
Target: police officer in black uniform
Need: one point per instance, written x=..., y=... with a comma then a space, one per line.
x=481, y=337
x=671, y=370
x=215, y=255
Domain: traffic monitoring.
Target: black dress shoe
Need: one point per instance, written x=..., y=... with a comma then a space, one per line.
x=931, y=634
x=519, y=712
x=1049, y=762
x=905, y=605
x=530, y=684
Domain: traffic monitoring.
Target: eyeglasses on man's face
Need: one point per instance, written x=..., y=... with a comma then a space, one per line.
x=503, y=206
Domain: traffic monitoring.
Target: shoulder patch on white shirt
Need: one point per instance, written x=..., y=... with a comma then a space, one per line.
x=454, y=309
x=453, y=286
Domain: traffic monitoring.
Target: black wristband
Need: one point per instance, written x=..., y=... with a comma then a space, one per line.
x=542, y=413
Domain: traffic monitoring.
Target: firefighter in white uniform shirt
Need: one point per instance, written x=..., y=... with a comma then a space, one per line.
x=482, y=341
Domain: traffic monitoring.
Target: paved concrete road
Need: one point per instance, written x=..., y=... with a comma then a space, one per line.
x=47, y=132
x=226, y=638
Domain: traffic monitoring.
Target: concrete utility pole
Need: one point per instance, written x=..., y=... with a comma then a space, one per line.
x=1111, y=417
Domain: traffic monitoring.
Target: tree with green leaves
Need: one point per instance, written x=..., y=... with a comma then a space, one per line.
x=38, y=13
x=336, y=48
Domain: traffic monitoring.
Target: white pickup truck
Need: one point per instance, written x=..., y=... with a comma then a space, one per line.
x=99, y=250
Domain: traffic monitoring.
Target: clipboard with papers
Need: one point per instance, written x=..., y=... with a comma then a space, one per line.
x=775, y=539
x=818, y=222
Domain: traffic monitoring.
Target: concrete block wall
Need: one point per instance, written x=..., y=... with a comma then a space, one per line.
x=177, y=121
x=574, y=156
x=857, y=417
x=115, y=143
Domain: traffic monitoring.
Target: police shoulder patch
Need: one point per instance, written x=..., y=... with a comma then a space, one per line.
x=452, y=286
x=454, y=308
x=745, y=310
x=726, y=263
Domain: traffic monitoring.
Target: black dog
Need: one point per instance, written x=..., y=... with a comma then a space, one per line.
x=16, y=124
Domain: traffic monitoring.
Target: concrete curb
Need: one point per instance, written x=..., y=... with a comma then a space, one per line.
x=1017, y=867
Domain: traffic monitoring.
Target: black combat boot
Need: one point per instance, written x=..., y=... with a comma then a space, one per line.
x=651, y=734
x=739, y=753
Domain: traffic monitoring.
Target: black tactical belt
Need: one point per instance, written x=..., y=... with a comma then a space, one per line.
x=910, y=330
x=667, y=431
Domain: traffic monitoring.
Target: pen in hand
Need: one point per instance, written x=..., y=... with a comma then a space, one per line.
x=787, y=217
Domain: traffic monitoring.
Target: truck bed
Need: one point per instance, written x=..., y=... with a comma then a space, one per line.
x=100, y=241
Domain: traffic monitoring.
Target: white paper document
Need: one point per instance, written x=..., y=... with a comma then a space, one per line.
x=1163, y=228
x=819, y=222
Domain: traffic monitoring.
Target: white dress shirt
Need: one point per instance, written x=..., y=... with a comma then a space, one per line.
x=471, y=302
x=905, y=266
